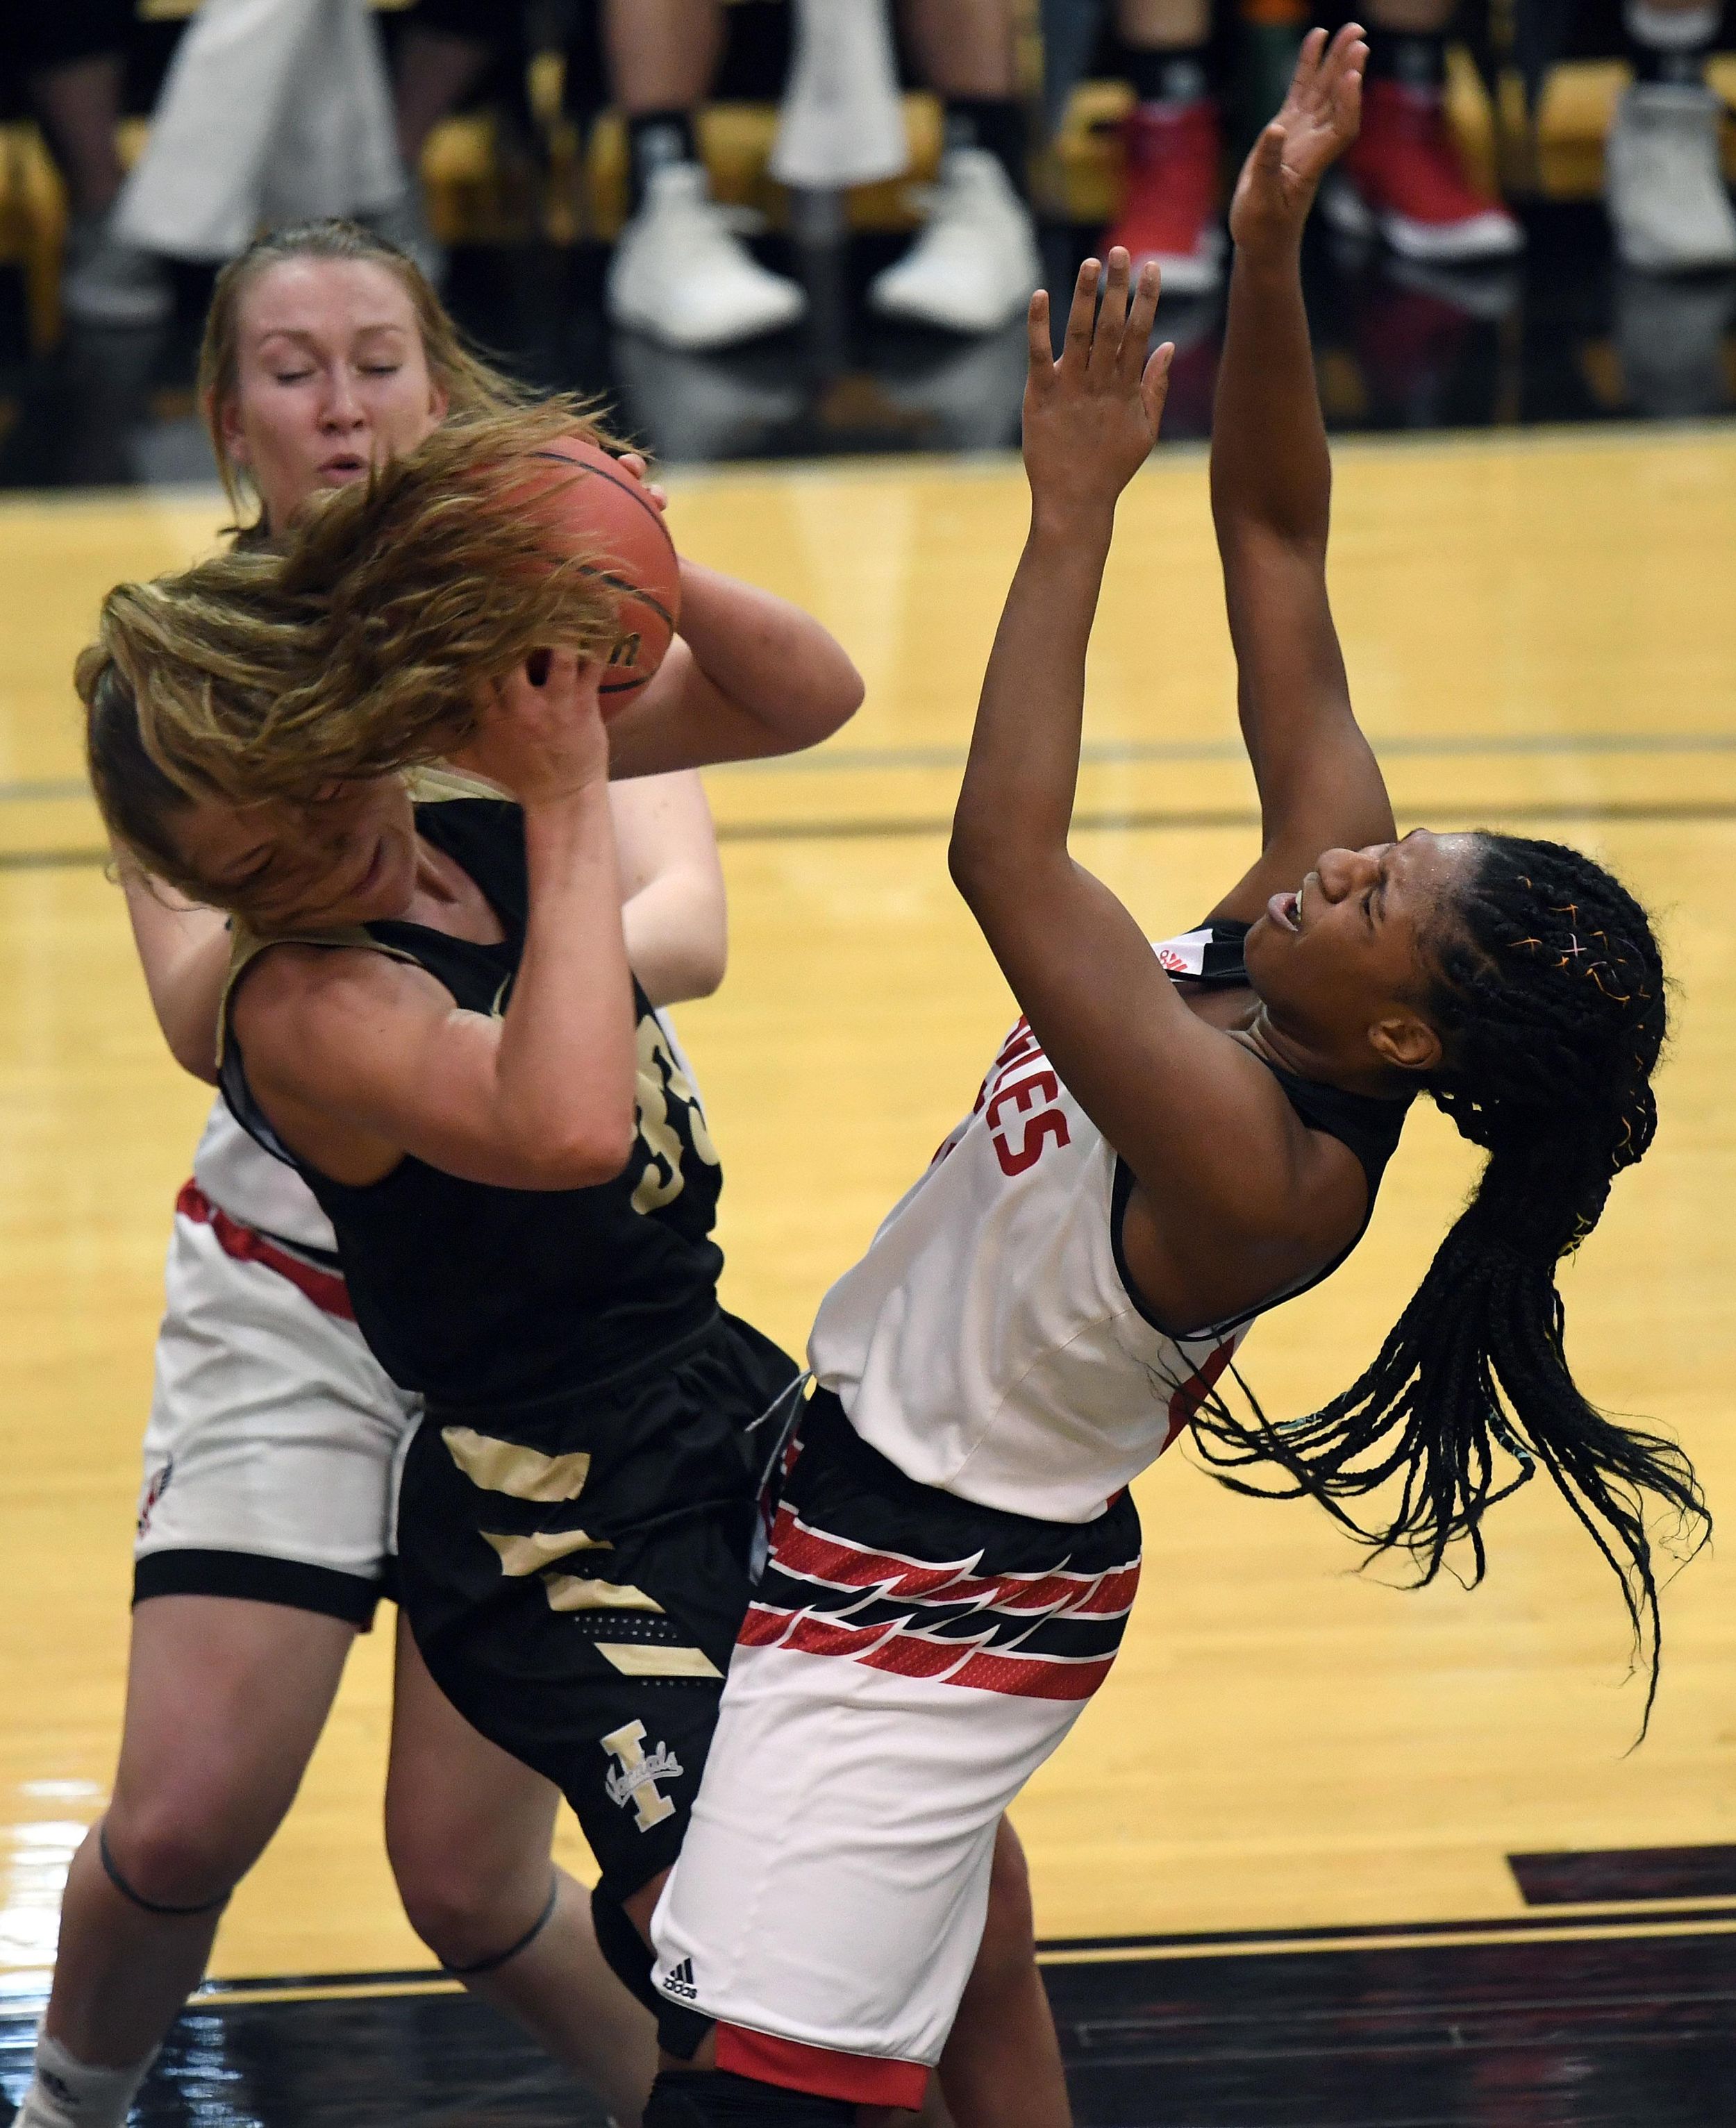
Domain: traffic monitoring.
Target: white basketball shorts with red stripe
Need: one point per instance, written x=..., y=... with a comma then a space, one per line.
x=909, y=1660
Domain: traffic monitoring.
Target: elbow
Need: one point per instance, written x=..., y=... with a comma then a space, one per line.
x=850, y=690
x=834, y=701
x=586, y=1158
x=704, y=976
x=973, y=860
x=195, y=1051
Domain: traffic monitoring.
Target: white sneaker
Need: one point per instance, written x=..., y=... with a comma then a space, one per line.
x=975, y=265
x=681, y=273
x=1664, y=181
x=107, y=283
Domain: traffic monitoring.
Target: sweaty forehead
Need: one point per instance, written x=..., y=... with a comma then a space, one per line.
x=1432, y=865
x=327, y=299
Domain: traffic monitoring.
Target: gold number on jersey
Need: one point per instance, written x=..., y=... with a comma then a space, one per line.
x=661, y=1082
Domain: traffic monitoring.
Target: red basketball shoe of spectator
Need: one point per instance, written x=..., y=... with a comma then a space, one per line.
x=1404, y=178
x=1169, y=209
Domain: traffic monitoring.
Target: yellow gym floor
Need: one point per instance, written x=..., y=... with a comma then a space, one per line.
x=1540, y=630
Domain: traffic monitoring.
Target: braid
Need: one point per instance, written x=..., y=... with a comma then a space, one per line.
x=1550, y=1001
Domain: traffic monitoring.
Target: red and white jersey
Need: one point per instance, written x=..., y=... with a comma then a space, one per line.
x=236, y=1174
x=987, y=1344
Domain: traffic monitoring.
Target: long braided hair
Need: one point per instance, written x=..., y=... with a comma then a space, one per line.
x=1549, y=996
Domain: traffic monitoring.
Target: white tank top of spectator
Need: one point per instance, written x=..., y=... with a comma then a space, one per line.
x=989, y=1343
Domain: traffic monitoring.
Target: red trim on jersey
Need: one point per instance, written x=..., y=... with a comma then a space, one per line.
x=922, y=1655
x=800, y=1549
x=866, y=2079
x=325, y=1289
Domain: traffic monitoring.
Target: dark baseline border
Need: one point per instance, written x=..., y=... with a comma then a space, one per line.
x=1639, y=1923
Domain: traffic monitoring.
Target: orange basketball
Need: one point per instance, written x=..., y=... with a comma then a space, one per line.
x=606, y=512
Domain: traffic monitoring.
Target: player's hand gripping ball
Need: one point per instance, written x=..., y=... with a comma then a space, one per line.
x=595, y=501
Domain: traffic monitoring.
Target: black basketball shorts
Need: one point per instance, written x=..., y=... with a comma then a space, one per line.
x=575, y=1571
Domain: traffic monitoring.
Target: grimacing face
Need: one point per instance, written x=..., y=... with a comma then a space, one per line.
x=331, y=379
x=1343, y=964
x=347, y=857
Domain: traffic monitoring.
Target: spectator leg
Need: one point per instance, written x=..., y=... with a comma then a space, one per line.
x=962, y=47
x=975, y=265
x=680, y=272
x=1173, y=143
x=1664, y=171
x=79, y=106
x=661, y=54
x=436, y=71
x=1405, y=179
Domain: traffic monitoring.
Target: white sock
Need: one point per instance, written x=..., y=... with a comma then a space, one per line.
x=66, y=2093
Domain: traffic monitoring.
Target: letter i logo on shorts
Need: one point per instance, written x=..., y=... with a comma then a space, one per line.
x=634, y=1778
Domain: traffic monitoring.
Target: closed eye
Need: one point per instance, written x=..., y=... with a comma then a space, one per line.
x=239, y=882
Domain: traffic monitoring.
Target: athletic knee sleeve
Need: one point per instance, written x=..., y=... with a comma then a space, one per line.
x=713, y=2098
x=626, y=1952
x=500, y=1958
x=150, y=1905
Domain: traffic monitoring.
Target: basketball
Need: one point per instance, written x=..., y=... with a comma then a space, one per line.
x=605, y=512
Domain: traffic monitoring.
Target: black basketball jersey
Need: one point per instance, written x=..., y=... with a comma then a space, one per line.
x=470, y=1293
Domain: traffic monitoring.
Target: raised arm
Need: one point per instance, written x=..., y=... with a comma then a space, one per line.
x=674, y=910
x=184, y=952
x=359, y=1059
x=749, y=675
x=1227, y=1175
x=1320, y=785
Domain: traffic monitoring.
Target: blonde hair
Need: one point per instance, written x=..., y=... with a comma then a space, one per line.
x=362, y=643
x=471, y=383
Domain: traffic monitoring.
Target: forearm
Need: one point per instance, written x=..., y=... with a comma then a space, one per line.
x=1016, y=805
x=758, y=676
x=677, y=935
x=1270, y=470
x=565, y=1064
x=184, y=952
x=774, y=662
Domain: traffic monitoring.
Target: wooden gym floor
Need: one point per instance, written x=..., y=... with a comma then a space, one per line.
x=1274, y=1864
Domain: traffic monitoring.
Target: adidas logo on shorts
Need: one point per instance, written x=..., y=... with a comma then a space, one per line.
x=678, y=1980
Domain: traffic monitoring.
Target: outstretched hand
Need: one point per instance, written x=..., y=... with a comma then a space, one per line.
x=1319, y=118
x=1092, y=418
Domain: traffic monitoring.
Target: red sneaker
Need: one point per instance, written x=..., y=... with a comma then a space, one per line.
x=1404, y=177
x=1169, y=206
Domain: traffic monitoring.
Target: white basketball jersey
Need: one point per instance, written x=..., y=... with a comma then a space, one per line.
x=237, y=1174
x=987, y=1343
